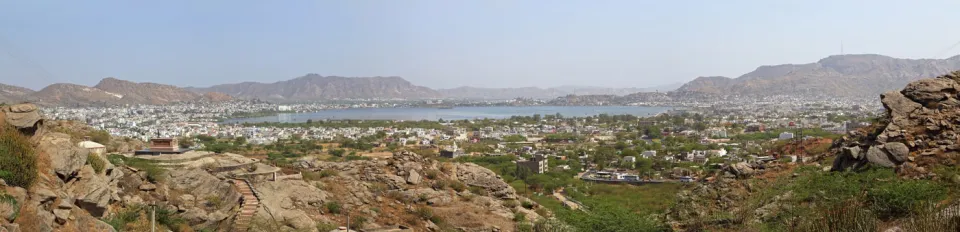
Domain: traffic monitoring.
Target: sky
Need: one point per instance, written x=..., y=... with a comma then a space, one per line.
x=445, y=44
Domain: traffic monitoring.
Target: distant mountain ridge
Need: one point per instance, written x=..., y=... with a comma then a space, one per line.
x=314, y=87
x=109, y=91
x=835, y=76
x=14, y=94
x=864, y=75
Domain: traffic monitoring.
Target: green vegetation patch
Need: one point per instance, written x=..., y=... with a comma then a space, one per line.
x=18, y=162
x=154, y=172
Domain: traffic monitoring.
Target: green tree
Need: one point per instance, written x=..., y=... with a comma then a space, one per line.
x=337, y=152
x=620, y=145
x=239, y=141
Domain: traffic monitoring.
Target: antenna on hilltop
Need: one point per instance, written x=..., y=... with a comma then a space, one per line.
x=841, y=47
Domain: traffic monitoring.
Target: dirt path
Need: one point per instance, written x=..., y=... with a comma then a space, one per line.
x=563, y=199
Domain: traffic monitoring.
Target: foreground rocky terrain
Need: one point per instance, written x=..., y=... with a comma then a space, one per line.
x=918, y=133
x=76, y=190
x=900, y=174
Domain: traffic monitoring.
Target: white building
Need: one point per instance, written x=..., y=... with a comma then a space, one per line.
x=93, y=147
x=648, y=154
x=786, y=135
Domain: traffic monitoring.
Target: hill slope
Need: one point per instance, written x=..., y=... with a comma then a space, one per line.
x=840, y=76
x=146, y=93
x=12, y=94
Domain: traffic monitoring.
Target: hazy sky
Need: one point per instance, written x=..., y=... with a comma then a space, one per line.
x=450, y=43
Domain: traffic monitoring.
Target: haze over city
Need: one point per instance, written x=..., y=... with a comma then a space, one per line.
x=445, y=44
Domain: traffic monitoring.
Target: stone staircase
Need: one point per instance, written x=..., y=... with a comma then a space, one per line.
x=249, y=206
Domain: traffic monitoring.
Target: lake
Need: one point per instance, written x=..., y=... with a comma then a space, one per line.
x=457, y=113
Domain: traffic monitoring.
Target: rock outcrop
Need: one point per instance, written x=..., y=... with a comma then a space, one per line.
x=25, y=117
x=397, y=187
x=918, y=131
x=68, y=195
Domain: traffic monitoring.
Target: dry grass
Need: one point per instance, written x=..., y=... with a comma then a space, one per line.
x=461, y=214
x=378, y=155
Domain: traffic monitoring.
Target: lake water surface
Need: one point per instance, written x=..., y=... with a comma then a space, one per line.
x=458, y=113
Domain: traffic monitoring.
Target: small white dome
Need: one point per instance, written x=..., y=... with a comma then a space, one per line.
x=90, y=144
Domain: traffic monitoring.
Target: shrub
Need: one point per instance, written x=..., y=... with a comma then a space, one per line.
x=424, y=212
x=333, y=207
x=845, y=217
x=96, y=162
x=510, y=204
x=18, y=162
x=446, y=167
x=310, y=176
x=458, y=186
x=214, y=201
x=357, y=222
x=432, y=174
x=519, y=217
x=478, y=190
x=439, y=185
x=154, y=172
x=323, y=227
x=328, y=173
x=124, y=216
x=379, y=188
x=12, y=201
x=902, y=197
x=527, y=204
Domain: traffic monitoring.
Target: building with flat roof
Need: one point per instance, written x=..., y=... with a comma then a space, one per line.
x=161, y=146
x=451, y=152
x=537, y=164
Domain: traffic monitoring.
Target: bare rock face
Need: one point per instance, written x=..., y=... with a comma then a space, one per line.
x=919, y=131
x=413, y=178
x=93, y=191
x=877, y=155
x=742, y=169
x=65, y=156
x=475, y=175
x=25, y=117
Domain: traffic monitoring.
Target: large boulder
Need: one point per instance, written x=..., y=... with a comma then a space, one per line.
x=65, y=157
x=741, y=169
x=475, y=175
x=877, y=155
x=929, y=91
x=22, y=116
x=898, y=151
x=94, y=191
x=850, y=158
x=414, y=177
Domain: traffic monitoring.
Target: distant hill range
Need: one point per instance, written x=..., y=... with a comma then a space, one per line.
x=836, y=76
x=110, y=91
x=313, y=87
x=839, y=76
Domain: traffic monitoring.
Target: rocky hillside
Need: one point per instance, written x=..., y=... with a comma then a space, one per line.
x=110, y=91
x=75, y=190
x=315, y=87
x=899, y=174
x=76, y=95
x=14, y=94
x=840, y=75
x=918, y=133
x=146, y=93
